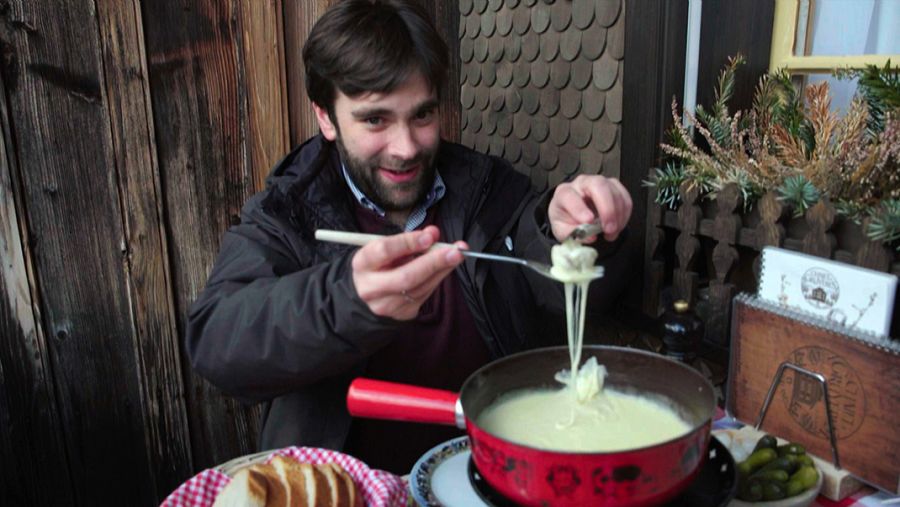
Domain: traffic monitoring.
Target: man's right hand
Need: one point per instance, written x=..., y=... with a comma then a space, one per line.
x=397, y=274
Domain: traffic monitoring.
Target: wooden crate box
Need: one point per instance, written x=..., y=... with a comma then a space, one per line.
x=863, y=385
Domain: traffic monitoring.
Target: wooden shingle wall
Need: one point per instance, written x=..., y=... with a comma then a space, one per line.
x=541, y=84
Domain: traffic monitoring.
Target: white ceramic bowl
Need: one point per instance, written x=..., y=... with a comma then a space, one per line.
x=801, y=500
x=740, y=443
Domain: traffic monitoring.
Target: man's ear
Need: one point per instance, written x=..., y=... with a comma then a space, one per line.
x=325, y=125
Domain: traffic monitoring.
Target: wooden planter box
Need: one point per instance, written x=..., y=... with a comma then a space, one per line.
x=712, y=248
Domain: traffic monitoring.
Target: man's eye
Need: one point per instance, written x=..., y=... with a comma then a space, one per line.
x=373, y=120
x=423, y=115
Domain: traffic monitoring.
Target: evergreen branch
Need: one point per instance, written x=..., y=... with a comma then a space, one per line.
x=725, y=88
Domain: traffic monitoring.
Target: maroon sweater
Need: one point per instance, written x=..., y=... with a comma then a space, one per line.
x=442, y=349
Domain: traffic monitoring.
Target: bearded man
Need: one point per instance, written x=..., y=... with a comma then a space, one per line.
x=289, y=321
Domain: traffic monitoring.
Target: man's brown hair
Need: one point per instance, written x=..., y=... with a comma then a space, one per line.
x=361, y=46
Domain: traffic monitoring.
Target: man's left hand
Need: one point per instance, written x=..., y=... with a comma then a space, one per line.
x=586, y=199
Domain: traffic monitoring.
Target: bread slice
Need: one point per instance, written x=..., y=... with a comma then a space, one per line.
x=314, y=491
x=248, y=488
x=340, y=495
x=292, y=479
x=354, y=497
x=317, y=489
x=277, y=488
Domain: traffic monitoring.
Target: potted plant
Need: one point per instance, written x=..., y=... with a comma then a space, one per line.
x=797, y=146
x=787, y=172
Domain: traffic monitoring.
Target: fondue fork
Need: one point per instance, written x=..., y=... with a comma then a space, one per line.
x=360, y=239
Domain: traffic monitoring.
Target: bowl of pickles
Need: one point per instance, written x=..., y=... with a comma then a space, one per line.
x=772, y=473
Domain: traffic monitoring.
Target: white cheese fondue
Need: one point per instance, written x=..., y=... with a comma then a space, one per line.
x=554, y=420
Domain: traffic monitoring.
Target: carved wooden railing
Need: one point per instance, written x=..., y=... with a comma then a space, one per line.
x=713, y=240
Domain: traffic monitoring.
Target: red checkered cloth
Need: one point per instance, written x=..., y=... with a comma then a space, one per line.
x=380, y=488
x=866, y=497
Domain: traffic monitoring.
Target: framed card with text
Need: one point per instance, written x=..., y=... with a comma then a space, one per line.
x=843, y=294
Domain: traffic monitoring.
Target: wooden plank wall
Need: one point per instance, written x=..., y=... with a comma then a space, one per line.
x=655, y=44
x=132, y=132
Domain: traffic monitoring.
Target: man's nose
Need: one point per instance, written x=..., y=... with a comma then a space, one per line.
x=404, y=145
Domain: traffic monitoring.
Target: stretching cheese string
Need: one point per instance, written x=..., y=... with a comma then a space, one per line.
x=573, y=264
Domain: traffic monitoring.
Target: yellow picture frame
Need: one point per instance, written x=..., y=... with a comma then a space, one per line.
x=784, y=33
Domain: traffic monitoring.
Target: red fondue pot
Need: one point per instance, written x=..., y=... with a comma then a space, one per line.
x=531, y=476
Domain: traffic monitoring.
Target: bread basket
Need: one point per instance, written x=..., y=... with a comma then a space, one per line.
x=231, y=467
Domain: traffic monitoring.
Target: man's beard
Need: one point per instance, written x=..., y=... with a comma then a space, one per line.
x=382, y=193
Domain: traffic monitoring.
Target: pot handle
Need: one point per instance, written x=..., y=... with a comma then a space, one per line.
x=377, y=399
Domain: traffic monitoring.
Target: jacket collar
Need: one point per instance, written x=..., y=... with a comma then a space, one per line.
x=466, y=180
x=309, y=179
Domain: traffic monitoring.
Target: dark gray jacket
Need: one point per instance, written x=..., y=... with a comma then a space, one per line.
x=280, y=320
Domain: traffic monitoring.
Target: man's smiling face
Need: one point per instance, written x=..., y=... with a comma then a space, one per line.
x=388, y=141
